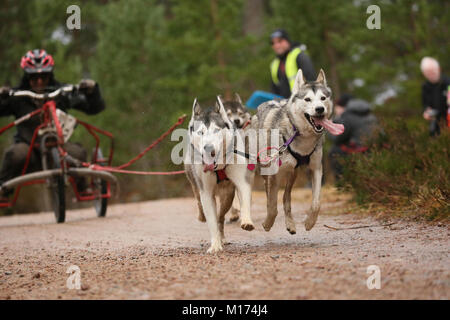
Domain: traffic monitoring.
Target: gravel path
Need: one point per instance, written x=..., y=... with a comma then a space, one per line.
x=157, y=250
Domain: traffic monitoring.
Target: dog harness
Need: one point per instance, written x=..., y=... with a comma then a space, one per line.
x=221, y=175
x=301, y=160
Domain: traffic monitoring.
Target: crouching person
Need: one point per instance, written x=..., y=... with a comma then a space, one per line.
x=359, y=122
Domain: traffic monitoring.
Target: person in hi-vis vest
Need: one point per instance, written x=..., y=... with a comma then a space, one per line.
x=290, y=57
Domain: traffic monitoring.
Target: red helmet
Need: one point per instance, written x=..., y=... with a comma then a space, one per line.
x=37, y=61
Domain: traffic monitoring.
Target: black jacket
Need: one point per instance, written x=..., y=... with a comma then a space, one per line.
x=359, y=123
x=303, y=62
x=20, y=106
x=434, y=95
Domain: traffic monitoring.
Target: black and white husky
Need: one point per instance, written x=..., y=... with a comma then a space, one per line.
x=301, y=121
x=212, y=175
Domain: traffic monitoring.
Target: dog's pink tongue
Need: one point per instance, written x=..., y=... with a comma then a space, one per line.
x=333, y=128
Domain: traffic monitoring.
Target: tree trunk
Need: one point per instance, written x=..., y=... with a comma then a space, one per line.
x=333, y=75
x=253, y=17
x=220, y=56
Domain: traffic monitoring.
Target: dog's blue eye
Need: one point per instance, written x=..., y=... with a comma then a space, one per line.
x=217, y=130
x=307, y=99
x=200, y=133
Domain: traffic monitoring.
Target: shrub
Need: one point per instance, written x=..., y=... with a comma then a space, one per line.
x=405, y=172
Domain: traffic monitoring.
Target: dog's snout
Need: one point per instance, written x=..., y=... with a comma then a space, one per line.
x=209, y=148
x=320, y=110
x=237, y=122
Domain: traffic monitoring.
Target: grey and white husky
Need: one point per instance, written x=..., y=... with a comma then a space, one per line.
x=240, y=117
x=209, y=174
x=237, y=112
x=301, y=121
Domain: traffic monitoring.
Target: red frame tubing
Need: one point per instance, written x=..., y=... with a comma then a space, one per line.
x=9, y=126
x=90, y=128
x=89, y=197
x=49, y=110
x=12, y=124
x=52, y=107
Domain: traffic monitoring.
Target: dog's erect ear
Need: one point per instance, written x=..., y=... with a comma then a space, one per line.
x=196, y=109
x=217, y=105
x=299, y=81
x=321, y=77
x=221, y=110
x=237, y=98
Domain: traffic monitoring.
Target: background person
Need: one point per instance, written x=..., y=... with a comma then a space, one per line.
x=359, y=123
x=435, y=94
x=289, y=58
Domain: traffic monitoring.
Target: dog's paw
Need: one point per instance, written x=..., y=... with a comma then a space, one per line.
x=234, y=215
x=225, y=242
x=291, y=230
x=247, y=226
x=215, y=247
x=310, y=221
x=266, y=227
x=290, y=226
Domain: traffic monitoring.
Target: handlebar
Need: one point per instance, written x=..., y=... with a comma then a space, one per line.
x=43, y=96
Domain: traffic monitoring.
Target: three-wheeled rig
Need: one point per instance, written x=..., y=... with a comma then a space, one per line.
x=58, y=167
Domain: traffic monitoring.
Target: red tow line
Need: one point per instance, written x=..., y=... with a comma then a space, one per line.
x=120, y=169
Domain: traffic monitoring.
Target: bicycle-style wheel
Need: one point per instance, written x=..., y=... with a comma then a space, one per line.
x=57, y=189
x=101, y=204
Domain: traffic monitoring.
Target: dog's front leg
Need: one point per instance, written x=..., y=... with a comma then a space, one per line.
x=235, y=211
x=271, y=184
x=210, y=210
x=242, y=180
x=316, y=167
x=289, y=220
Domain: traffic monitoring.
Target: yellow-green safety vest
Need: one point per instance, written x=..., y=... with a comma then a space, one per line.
x=291, y=67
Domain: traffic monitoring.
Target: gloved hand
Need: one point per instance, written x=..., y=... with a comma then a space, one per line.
x=87, y=84
x=4, y=92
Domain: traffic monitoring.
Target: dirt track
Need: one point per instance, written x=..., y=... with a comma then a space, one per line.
x=157, y=250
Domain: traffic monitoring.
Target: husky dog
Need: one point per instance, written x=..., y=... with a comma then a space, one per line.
x=237, y=112
x=301, y=120
x=239, y=115
x=211, y=176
